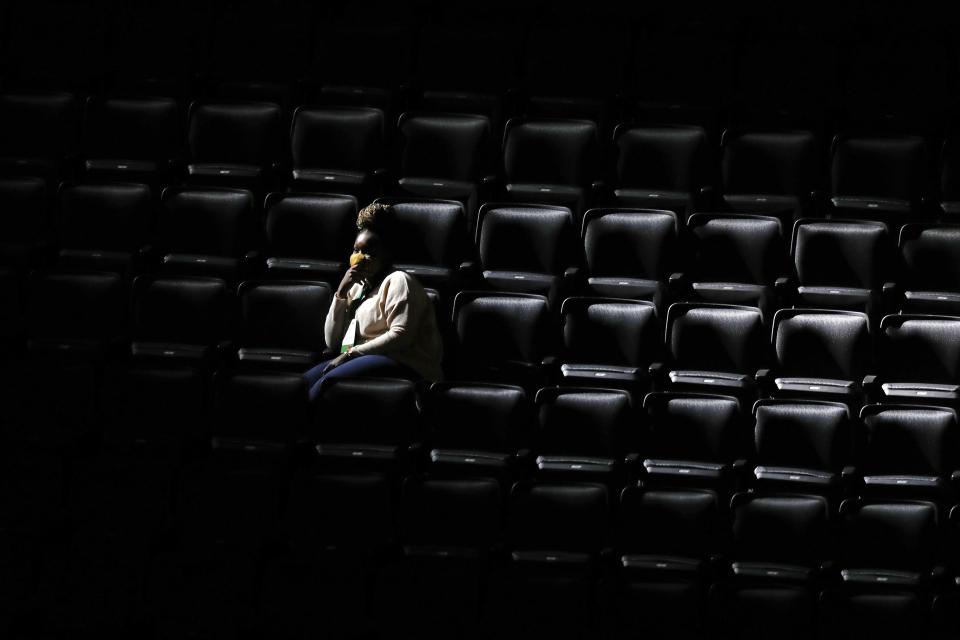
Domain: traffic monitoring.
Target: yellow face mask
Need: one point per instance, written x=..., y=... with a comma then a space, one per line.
x=356, y=258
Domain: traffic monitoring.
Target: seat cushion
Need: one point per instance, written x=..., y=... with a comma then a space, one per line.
x=815, y=477
x=731, y=293
x=520, y=281
x=96, y=166
x=678, y=201
x=935, y=302
x=194, y=353
x=631, y=288
x=471, y=458
x=96, y=259
x=871, y=205
x=661, y=564
x=816, y=385
x=766, y=570
x=224, y=171
x=575, y=464
x=921, y=391
x=428, y=274
x=835, y=297
x=278, y=357
x=686, y=468
x=330, y=177
x=601, y=373
x=193, y=264
x=547, y=194
x=438, y=188
x=734, y=381
x=304, y=267
x=761, y=203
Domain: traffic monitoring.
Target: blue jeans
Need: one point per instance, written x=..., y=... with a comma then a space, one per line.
x=361, y=366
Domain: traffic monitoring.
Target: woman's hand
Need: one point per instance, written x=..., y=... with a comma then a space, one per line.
x=354, y=275
x=336, y=362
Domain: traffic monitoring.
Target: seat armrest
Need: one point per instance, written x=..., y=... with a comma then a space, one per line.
x=955, y=479
x=871, y=386
x=658, y=375
x=764, y=378
x=677, y=284
x=781, y=284
x=551, y=369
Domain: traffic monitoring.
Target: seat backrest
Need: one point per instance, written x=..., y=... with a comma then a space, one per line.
x=661, y=157
x=785, y=529
x=448, y=146
x=134, y=128
x=693, y=426
x=259, y=406
x=189, y=310
x=499, y=327
x=666, y=521
x=284, y=314
x=205, y=220
x=307, y=225
x=802, y=434
x=722, y=338
x=588, y=422
x=485, y=417
x=931, y=256
x=75, y=305
x=853, y=253
x=369, y=410
x=429, y=232
x=558, y=517
x=550, y=151
x=769, y=162
x=609, y=331
x=737, y=248
x=460, y=513
x=916, y=348
x=39, y=125
x=630, y=242
x=24, y=209
x=105, y=216
x=241, y=133
x=950, y=169
x=897, y=535
x=811, y=343
x=882, y=167
x=909, y=440
x=347, y=138
x=534, y=238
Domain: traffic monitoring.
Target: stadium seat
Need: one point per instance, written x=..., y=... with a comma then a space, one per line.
x=909, y=451
x=842, y=264
x=584, y=434
x=886, y=561
x=770, y=173
x=713, y=346
x=432, y=243
x=449, y=530
x=694, y=440
x=803, y=446
x=259, y=406
x=234, y=144
x=477, y=429
x=819, y=354
x=609, y=342
x=665, y=539
x=132, y=140
x=738, y=259
x=180, y=320
x=444, y=156
x=502, y=337
x=772, y=583
x=204, y=231
x=878, y=177
x=26, y=240
x=105, y=226
x=526, y=248
x=40, y=134
x=630, y=253
x=551, y=161
x=338, y=150
x=309, y=235
x=555, y=534
x=661, y=167
x=918, y=360
x=930, y=282
x=281, y=324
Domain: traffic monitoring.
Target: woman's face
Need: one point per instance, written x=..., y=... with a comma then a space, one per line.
x=368, y=253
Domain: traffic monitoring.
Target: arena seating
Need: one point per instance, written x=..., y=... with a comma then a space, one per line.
x=697, y=275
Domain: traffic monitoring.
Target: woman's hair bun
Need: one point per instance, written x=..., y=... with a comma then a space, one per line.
x=378, y=218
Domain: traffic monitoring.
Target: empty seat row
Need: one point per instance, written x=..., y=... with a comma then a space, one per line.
x=450, y=155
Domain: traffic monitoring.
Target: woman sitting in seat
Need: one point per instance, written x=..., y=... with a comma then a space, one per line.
x=381, y=319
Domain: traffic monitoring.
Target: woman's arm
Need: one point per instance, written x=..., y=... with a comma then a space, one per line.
x=335, y=324
x=402, y=314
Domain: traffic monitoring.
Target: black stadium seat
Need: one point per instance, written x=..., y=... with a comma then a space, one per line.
x=661, y=167
x=39, y=134
x=132, y=139
x=526, y=248
x=551, y=161
x=609, y=342
x=204, y=230
x=26, y=234
x=105, y=226
x=281, y=324
x=309, y=235
x=919, y=360
x=444, y=156
x=771, y=585
x=234, y=144
x=738, y=259
x=338, y=150
x=770, y=172
x=930, y=256
x=630, y=253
